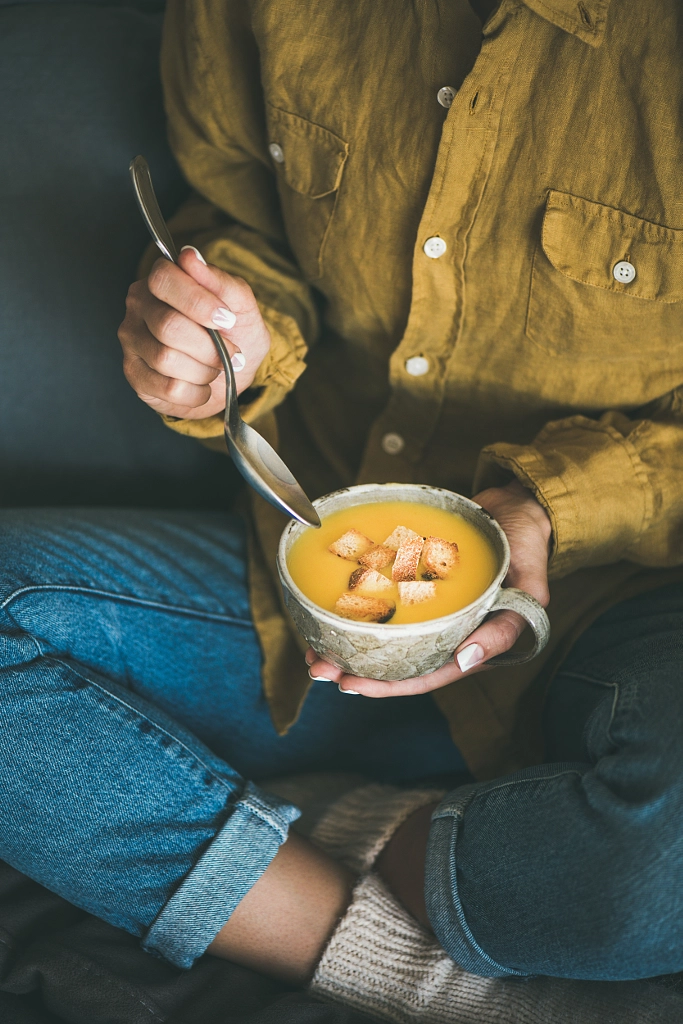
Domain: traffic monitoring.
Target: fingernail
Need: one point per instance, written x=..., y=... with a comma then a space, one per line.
x=238, y=362
x=224, y=318
x=319, y=679
x=354, y=692
x=196, y=252
x=470, y=656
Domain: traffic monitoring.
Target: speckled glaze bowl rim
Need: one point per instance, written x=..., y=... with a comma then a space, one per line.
x=385, y=629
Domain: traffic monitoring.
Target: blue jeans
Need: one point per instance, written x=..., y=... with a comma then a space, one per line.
x=132, y=717
x=574, y=868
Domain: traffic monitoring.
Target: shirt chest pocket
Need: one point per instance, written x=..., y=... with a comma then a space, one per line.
x=605, y=285
x=309, y=164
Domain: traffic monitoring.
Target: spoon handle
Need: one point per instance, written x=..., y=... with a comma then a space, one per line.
x=149, y=208
x=231, y=407
x=154, y=219
x=256, y=460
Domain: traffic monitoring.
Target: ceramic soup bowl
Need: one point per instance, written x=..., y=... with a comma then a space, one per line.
x=382, y=651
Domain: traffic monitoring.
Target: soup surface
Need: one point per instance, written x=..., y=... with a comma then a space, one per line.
x=324, y=577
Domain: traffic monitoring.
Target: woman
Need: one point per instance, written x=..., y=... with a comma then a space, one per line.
x=472, y=246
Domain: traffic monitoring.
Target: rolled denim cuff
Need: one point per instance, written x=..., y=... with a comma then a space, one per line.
x=442, y=895
x=224, y=874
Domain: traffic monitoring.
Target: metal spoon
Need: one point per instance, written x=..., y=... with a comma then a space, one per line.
x=257, y=461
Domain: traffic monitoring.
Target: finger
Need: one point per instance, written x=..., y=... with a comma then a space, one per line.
x=168, y=361
x=165, y=323
x=153, y=387
x=215, y=404
x=229, y=288
x=448, y=673
x=320, y=669
x=177, y=331
x=495, y=636
x=324, y=671
x=206, y=295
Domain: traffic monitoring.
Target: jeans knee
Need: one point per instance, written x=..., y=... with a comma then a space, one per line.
x=633, y=895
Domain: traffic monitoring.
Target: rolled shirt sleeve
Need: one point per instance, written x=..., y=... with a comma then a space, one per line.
x=612, y=487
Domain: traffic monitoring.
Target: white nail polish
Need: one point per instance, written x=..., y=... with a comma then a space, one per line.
x=196, y=252
x=224, y=318
x=318, y=679
x=469, y=657
x=238, y=362
x=354, y=692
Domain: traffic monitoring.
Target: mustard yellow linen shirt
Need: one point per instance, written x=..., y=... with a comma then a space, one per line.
x=431, y=216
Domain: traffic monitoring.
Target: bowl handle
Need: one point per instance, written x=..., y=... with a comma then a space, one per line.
x=529, y=608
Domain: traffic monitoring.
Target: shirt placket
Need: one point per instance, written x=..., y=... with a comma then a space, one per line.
x=418, y=366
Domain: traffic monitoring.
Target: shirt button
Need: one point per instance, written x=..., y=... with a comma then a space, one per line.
x=434, y=247
x=417, y=366
x=393, y=444
x=624, y=272
x=446, y=95
x=276, y=153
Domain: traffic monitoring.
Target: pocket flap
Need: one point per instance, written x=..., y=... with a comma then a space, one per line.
x=312, y=157
x=585, y=241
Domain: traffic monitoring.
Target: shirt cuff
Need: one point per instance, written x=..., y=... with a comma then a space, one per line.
x=232, y=864
x=589, y=478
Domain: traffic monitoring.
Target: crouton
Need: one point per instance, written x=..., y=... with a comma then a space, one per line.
x=367, y=581
x=377, y=557
x=365, y=609
x=440, y=557
x=416, y=593
x=400, y=536
x=351, y=545
x=407, y=560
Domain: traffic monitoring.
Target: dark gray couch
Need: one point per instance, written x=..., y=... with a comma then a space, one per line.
x=79, y=96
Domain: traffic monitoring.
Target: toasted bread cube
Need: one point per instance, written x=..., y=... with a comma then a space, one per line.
x=407, y=561
x=351, y=545
x=365, y=609
x=400, y=536
x=377, y=557
x=368, y=581
x=440, y=557
x=416, y=593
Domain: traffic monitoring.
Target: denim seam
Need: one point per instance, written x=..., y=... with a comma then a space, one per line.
x=615, y=697
x=459, y=813
x=273, y=820
x=155, y=725
x=30, y=636
x=127, y=599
